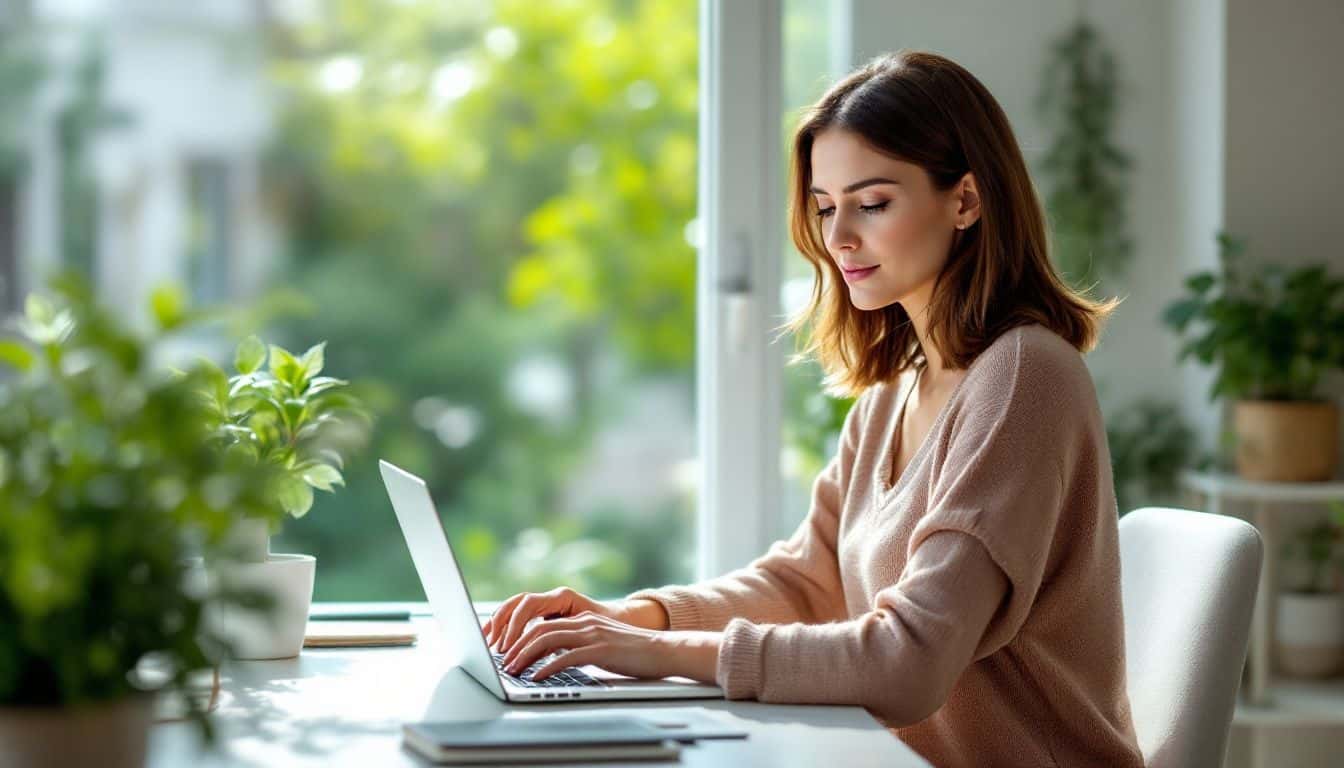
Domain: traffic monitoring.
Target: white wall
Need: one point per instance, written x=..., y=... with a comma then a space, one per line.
x=1285, y=128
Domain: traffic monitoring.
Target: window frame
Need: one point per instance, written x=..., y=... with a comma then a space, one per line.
x=739, y=376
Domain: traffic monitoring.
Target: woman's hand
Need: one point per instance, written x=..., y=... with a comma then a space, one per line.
x=507, y=623
x=592, y=638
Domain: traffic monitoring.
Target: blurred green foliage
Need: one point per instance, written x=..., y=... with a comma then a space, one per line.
x=1150, y=445
x=107, y=485
x=1085, y=172
x=467, y=188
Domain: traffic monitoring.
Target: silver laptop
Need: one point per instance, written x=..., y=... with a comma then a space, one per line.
x=452, y=607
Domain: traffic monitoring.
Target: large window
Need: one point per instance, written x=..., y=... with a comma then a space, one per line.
x=209, y=229
x=815, y=55
x=491, y=206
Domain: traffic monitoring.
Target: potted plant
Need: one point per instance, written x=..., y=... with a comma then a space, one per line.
x=1310, y=618
x=288, y=417
x=107, y=487
x=1271, y=334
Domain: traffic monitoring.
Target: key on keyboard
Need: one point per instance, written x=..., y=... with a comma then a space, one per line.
x=569, y=676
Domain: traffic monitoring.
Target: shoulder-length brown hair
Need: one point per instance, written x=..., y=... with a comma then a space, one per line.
x=927, y=110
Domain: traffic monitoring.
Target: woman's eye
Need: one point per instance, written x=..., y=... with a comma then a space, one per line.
x=869, y=209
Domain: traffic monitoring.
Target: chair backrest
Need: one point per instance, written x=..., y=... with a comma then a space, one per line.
x=1188, y=586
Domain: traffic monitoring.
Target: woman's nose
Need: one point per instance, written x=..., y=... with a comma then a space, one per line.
x=841, y=236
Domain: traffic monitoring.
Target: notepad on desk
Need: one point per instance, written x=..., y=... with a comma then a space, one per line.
x=358, y=634
x=548, y=739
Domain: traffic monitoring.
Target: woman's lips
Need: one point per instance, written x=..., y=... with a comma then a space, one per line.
x=855, y=275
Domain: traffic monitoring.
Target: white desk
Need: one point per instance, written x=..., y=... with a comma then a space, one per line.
x=339, y=707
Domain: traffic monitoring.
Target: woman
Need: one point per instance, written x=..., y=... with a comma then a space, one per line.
x=958, y=573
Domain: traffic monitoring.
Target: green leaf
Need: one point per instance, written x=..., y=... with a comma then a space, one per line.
x=16, y=355
x=323, y=383
x=249, y=356
x=285, y=367
x=322, y=476
x=1178, y=314
x=38, y=309
x=313, y=360
x=218, y=383
x=295, y=496
x=1200, y=283
x=169, y=304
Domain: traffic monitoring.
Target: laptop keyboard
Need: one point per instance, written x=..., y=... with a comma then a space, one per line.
x=565, y=678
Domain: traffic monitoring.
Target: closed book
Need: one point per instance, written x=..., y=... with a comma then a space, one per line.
x=358, y=634
x=545, y=738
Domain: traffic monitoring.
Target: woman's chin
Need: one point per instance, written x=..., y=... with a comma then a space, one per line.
x=867, y=302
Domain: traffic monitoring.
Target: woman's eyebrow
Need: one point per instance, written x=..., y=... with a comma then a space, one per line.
x=856, y=186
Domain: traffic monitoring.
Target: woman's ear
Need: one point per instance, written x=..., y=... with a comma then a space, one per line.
x=967, y=197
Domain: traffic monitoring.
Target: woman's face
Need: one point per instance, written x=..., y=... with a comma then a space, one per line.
x=884, y=224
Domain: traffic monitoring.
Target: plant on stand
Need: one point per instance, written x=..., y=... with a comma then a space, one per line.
x=1310, y=617
x=1271, y=334
x=286, y=416
x=108, y=487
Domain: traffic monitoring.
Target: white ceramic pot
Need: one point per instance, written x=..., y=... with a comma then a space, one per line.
x=288, y=579
x=1310, y=634
x=111, y=735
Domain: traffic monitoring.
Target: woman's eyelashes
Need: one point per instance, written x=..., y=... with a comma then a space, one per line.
x=869, y=209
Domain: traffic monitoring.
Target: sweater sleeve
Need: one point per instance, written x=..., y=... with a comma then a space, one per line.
x=900, y=660
x=795, y=580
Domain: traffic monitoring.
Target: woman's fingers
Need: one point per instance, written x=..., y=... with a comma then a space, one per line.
x=530, y=607
x=544, y=644
x=578, y=622
x=499, y=620
x=561, y=601
x=588, y=654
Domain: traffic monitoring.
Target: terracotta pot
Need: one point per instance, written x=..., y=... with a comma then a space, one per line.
x=1287, y=442
x=1310, y=634
x=111, y=735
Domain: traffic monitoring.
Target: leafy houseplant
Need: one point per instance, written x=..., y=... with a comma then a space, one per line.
x=1149, y=445
x=1085, y=172
x=107, y=487
x=298, y=422
x=1271, y=334
x=1310, y=617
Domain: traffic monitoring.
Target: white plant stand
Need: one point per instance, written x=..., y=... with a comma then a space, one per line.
x=1265, y=702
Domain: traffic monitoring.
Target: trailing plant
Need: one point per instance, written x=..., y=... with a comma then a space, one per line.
x=1086, y=173
x=1269, y=332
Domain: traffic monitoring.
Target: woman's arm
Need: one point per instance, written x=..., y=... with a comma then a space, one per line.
x=797, y=580
x=899, y=660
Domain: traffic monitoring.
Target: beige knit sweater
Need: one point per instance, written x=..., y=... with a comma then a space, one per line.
x=974, y=606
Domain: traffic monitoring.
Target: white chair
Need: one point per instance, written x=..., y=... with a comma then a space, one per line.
x=1188, y=586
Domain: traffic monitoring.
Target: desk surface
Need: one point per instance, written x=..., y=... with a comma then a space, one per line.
x=335, y=707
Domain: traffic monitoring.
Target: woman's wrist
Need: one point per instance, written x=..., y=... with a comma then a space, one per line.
x=693, y=654
x=646, y=613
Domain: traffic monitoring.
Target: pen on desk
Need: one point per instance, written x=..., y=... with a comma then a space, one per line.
x=361, y=616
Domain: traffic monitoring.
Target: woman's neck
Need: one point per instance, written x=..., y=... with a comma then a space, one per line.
x=917, y=307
